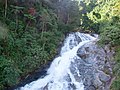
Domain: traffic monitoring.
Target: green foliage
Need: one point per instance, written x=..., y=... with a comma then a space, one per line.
x=73, y=14
x=105, y=10
x=29, y=41
x=8, y=72
x=86, y=6
x=110, y=32
x=106, y=15
x=116, y=83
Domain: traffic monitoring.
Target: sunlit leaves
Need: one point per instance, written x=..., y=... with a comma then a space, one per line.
x=106, y=9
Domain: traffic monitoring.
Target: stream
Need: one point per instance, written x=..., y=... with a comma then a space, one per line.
x=81, y=65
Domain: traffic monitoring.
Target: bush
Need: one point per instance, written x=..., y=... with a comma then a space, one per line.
x=110, y=32
x=27, y=44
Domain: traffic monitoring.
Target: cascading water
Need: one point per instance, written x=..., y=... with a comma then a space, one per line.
x=66, y=71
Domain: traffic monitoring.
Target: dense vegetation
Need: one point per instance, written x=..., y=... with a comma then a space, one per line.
x=31, y=30
x=30, y=33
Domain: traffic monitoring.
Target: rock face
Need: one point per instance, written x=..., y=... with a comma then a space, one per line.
x=94, y=65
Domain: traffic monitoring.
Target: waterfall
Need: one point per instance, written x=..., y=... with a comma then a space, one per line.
x=64, y=72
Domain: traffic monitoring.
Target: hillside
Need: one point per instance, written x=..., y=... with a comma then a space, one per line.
x=32, y=30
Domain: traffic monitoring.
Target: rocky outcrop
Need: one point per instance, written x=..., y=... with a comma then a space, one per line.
x=95, y=66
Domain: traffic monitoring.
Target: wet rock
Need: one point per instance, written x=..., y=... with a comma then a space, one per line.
x=87, y=49
x=83, y=56
x=97, y=81
x=67, y=78
x=78, y=39
x=72, y=86
x=94, y=64
x=88, y=80
x=91, y=88
x=82, y=53
x=103, y=77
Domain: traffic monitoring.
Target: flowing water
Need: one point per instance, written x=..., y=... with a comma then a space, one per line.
x=60, y=75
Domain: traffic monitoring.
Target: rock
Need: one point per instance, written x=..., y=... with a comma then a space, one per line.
x=87, y=49
x=78, y=39
x=94, y=66
x=93, y=69
x=83, y=56
x=97, y=81
x=91, y=87
x=72, y=86
x=103, y=77
x=82, y=53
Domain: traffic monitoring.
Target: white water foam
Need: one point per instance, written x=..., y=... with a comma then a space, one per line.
x=59, y=75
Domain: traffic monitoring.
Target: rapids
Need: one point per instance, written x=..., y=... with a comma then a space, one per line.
x=65, y=72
